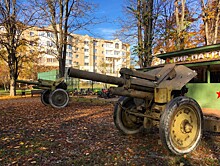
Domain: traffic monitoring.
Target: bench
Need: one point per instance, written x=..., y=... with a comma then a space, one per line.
x=36, y=91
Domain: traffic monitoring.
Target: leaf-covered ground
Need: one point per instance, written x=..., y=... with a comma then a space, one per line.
x=83, y=134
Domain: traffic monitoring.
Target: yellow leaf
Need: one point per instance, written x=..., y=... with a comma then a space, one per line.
x=21, y=143
x=42, y=148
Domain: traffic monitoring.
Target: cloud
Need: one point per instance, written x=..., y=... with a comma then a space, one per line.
x=106, y=33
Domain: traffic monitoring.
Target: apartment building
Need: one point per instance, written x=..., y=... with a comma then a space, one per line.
x=83, y=52
x=99, y=55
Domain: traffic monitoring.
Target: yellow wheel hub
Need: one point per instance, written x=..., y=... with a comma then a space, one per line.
x=184, y=127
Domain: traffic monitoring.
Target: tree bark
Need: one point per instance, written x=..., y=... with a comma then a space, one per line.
x=180, y=23
x=140, y=39
x=147, y=16
x=210, y=21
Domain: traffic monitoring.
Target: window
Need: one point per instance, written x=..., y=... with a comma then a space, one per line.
x=51, y=60
x=201, y=75
x=69, y=47
x=86, y=64
x=41, y=33
x=70, y=54
x=77, y=56
x=109, y=45
x=50, y=34
x=70, y=38
x=49, y=44
x=95, y=43
x=31, y=43
x=31, y=33
x=108, y=52
x=116, y=45
x=86, y=50
x=124, y=47
x=86, y=57
x=86, y=42
x=215, y=74
x=116, y=52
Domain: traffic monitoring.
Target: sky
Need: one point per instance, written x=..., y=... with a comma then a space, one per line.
x=111, y=10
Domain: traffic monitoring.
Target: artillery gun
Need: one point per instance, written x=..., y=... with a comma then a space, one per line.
x=155, y=99
x=54, y=92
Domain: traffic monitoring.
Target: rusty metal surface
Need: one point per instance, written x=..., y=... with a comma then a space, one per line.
x=76, y=73
x=170, y=77
x=138, y=74
x=164, y=72
x=183, y=76
x=121, y=91
x=212, y=124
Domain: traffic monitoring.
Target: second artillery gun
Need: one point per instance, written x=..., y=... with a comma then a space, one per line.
x=155, y=99
x=54, y=92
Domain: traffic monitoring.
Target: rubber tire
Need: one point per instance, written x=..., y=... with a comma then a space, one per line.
x=45, y=97
x=118, y=117
x=165, y=122
x=51, y=98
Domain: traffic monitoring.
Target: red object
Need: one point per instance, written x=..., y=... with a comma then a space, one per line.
x=218, y=93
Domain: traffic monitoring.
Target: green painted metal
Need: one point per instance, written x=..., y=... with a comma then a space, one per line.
x=205, y=94
x=196, y=50
x=50, y=75
x=202, y=63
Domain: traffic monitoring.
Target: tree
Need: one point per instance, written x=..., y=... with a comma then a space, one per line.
x=148, y=18
x=65, y=16
x=140, y=24
x=4, y=77
x=180, y=22
x=210, y=18
x=15, y=18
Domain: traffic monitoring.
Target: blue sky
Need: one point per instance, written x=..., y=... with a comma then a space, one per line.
x=111, y=10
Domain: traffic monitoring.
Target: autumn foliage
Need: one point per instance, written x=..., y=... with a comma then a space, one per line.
x=83, y=133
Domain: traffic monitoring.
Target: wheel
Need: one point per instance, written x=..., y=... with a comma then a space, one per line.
x=45, y=97
x=181, y=125
x=59, y=98
x=125, y=122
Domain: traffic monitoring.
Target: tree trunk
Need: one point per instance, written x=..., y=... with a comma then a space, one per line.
x=148, y=30
x=205, y=21
x=139, y=25
x=13, y=66
x=12, y=87
x=180, y=23
x=216, y=23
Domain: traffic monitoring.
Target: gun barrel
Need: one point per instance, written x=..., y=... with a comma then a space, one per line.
x=95, y=76
x=27, y=82
x=133, y=83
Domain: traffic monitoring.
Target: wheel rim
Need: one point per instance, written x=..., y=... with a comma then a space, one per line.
x=59, y=98
x=129, y=121
x=185, y=128
x=45, y=97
